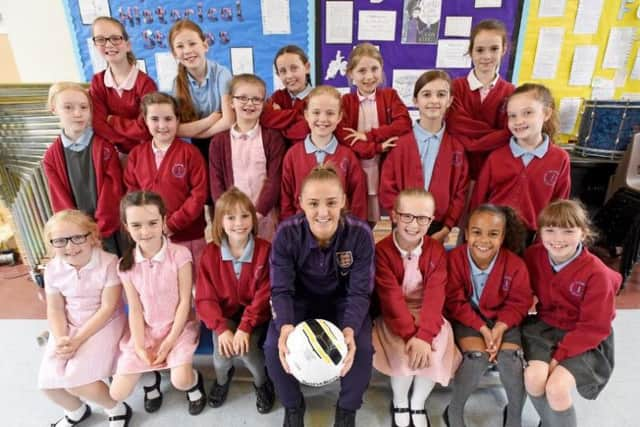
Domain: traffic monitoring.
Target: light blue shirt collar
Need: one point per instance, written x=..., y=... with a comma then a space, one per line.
x=303, y=94
x=81, y=143
x=538, y=152
x=558, y=267
x=475, y=270
x=320, y=153
x=423, y=135
x=193, y=82
x=479, y=277
x=245, y=258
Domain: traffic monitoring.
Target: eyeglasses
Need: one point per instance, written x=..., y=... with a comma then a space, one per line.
x=408, y=218
x=101, y=41
x=244, y=99
x=76, y=239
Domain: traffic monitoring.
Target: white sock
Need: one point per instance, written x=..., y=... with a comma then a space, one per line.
x=73, y=416
x=149, y=380
x=196, y=394
x=400, y=387
x=119, y=409
x=422, y=387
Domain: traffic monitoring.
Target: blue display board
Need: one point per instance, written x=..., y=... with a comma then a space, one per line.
x=228, y=24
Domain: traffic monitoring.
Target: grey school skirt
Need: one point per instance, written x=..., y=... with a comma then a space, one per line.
x=591, y=369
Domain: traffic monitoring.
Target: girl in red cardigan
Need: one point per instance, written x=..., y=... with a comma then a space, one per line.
x=488, y=296
x=174, y=169
x=249, y=156
x=372, y=119
x=116, y=92
x=478, y=112
x=569, y=342
x=232, y=296
x=413, y=342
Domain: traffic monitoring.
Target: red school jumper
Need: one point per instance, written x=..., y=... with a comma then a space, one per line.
x=506, y=297
x=403, y=169
x=109, y=186
x=181, y=181
x=126, y=127
x=505, y=180
x=219, y=294
x=289, y=119
x=579, y=299
x=482, y=124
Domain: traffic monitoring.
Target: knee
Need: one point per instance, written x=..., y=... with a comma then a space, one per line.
x=535, y=379
x=558, y=394
x=182, y=379
x=118, y=393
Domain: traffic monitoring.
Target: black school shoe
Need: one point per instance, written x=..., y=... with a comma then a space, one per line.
x=218, y=393
x=344, y=418
x=196, y=406
x=420, y=412
x=126, y=417
x=294, y=417
x=265, y=396
x=152, y=405
x=87, y=414
x=393, y=410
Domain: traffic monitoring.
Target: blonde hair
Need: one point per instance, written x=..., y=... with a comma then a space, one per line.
x=249, y=79
x=567, y=213
x=325, y=90
x=76, y=217
x=60, y=87
x=542, y=94
x=413, y=192
x=322, y=172
x=363, y=50
x=231, y=199
x=131, y=58
x=153, y=98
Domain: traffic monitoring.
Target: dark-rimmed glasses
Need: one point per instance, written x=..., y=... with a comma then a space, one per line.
x=244, y=99
x=101, y=41
x=408, y=218
x=76, y=239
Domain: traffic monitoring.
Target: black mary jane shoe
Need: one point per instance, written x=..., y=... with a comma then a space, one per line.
x=153, y=404
x=126, y=417
x=265, y=396
x=420, y=412
x=87, y=414
x=218, y=393
x=395, y=410
x=196, y=406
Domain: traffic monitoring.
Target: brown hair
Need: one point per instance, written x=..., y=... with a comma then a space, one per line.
x=231, y=199
x=131, y=58
x=363, y=50
x=429, y=76
x=566, y=213
x=137, y=198
x=158, y=98
x=514, y=230
x=76, y=217
x=291, y=48
x=250, y=79
x=322, y=172
x=488, y=25
x=413, y=192
x=182, y=91
x=57, y=88
x=324, y=90
x=544, y=96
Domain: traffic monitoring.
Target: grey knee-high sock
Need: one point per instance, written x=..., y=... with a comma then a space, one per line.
x=542, y=407
x=566, y=418
x=474, y=365
x=511, y=368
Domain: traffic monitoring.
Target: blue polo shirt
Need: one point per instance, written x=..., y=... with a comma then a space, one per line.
x=558, y=267
x=207, y=97
x=79, y=144
x=302, y=270
x=320, y=153
x=428, y=146
x=479, y=277
x=526, y=155
x=246, y=257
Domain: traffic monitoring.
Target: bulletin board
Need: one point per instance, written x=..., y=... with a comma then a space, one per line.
x=596, y=74
x=243, y=35
x=408, y=48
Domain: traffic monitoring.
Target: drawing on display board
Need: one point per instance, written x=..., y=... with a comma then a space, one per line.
x=338, y=65
x=421, y=21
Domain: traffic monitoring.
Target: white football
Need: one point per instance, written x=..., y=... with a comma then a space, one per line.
x=316, y=352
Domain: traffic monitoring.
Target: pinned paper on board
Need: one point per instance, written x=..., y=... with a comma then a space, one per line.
x=403, y=82
x=588, y=16
x=583, y=66
x=569, y=110
x=602, y=88
x=275, y=16
x=167, y=69
x=548, y=52
x=421, y=21
x=551, y=8
x=97, y=61
x=635, y=71
x=339, y=22
x=338, y=65
x=241, y=60
x=618, y=47
x=488, y=3
x=457, y=26
x=377, y=25
x=453, y=53
x=91, y=9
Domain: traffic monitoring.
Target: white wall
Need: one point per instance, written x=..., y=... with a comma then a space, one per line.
x=40, y=39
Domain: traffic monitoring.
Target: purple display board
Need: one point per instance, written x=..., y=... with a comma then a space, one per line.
x=414, y=45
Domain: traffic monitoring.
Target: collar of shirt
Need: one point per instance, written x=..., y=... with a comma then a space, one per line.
x=538, y=152
x=236, y=134
x=79, y=144
x=91, y=264
x=158, y=150
x=310, y=147
x=558, y=267
x=477, y=271
x=423, y=135
x=247, y=254
x=366, y=98
x=158, y=257
x=476, y=84
x=303, y=94
x=417, y=251
x=313, y=242
x=208, y=73
x=127, y=84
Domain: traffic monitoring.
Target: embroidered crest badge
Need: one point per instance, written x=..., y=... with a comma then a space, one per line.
x=345, y=259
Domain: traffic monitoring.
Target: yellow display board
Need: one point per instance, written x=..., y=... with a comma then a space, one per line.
x=615, y=13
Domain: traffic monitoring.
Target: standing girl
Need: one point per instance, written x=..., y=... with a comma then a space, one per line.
x=116, y=92
x=413, y=342
x=488, y=296
x=478, y=110
x=82, y=168
x=531, y=171
x=249, y=156
x=429, y=157
x=569, y=342
x=156, y=275
x=174, y=169
x=285, y=107
x=321, y=146
x=86, y=320
x=372, y=119
x=232, y=296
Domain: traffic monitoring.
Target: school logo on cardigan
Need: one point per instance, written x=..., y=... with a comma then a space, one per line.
x=577, y=289
x=457, y=158
x=550, y=177
x=506, y=283
x=345, y=259
x=178, y=170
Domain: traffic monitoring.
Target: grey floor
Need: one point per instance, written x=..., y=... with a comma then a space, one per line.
x=23, y=405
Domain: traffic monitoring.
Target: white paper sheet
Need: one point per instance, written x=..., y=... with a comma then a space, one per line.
x=377, y=25
x=343, y=90
x=549, y=8
x=548, y=52
x=415, y=115
x=403, y=82
x=141, y=64
x=167, y=70
x=91, y=9
x=453, y=54
x=488, y=3
x=635, y=71
x=275, y=17
x=339, y=22
x=277, y=83
x=569, y=110
x=618, y=47
x=588, y=16
x=241, y=60
x=584, y=63
x=336, y=66
x=97, y=61
x=620, y=79
x=602, y=88
x=457, y=26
